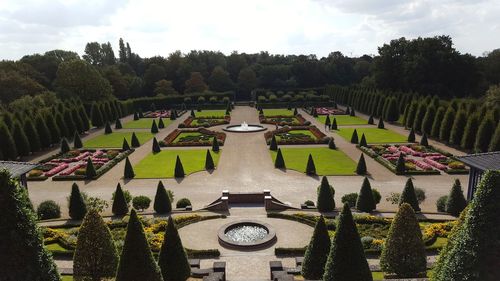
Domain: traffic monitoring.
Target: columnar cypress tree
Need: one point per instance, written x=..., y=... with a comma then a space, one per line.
x=392, y=114
x=77, y=206
x=77, y=119
x=436, y=123
x=96, y=116
x=120, y=206
x=136, y=261
x=107, y=129
x=161, y=125
x=310, y=167
x=279, y=162
x=95, y=255
x=423, y=140
x=362, y=142
x=55, y=133
x=162, y=203
x=354, y=136
x=32, y=135
x=70, y=123
x=405, y=114
x=274, y=144
x=456, y=201
x=61, y=124
x=411, y=114
x=446, y=124
x=457, y=130
x=380, y=124
x=484, y=134
x=404, y=251
x=104, y=112
x=428, y=119
x=154, y=127
x=370, y=120
x=128, y=172
x=400, y=165
x=325, y=201
x=313, y=266
x=173, y=260
x=125, y=145
x=328, y=123
x=215, y=145
x=495, y=140
x=64, y=145
x=419, y=116
x=331, y=144
x=90, y=171
x=77, y=141
x=334, y=124
x=411, y=135
x=347, y=111
x=23, y=254
x=209, y=161
x=43, y=131
x=21, y=140
x=352, y=113
x=346, y=260
x=470, y=131
x=156, y=146
x=409, y=196
x=118, y=124
x=179, y=169
x=192, y=113
x=365, y=201
x=361, y=167
x=134, y=141
x=7, y=144
x=84, y=117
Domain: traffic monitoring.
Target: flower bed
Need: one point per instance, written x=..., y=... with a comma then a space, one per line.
x=284, y=120
x=162, y=113
x=418, y=159
x=73, y=164
x=297, y=135
x=199, y=137
x=205, y=122
x=329, y=111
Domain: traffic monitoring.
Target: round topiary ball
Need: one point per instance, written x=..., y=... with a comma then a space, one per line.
x=183, y=203
x=48, y=210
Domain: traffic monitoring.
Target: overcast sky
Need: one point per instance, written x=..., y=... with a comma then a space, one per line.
x=354, y=27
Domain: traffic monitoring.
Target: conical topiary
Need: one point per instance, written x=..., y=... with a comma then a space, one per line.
x=361, y=168
x=90, y=171
x=192, y=113
x=77, y=141
x=346, y=260
x=423, y=140
x=295, y=111
x=215, y=145
x=381, y=123
x=334, y=124
x=120, y=206
x=209, y=161
x=328, y=122
x=77, y=206
x=316, y=253
x=134, y=141
x=310, y=167
x=161, y=125
x=370, y=120
x=352, y=113
x=400, y=165
x=172, y=259
x=325, y=201
x=409, y=196
x=411, y=135
x=274, y=144
x=154, y=127
x=456, y=201
x=107, y=129
x=64, y=145
x=125, y=145
x=279, y=162
x=136, y=116
x=347, y=111
x=404, y=251
x=136, y=261
x=365, y=201
x=95, y=255
x=179, y=169
x=331, y=144
x=362, y=142
x=118, y=124
x=156, y=147
x=162, y=203
x=128, y=172
x=354, y=137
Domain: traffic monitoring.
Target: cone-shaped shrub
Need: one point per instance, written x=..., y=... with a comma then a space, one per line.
x=96, y=116
x=428, y=119
x=295, y=111
x=134, y=141
x=348, y=111
x=23, y=254
x=215, y=145
x=120, y=206
x=404, y=251
x=77, y=206
x=64, y=145
x=470, y=131
x=55, y=133
x=261, y=112
x=21, y=140
x=274, y=144
x=209, y=161
x=32, y=135
x=334, y=125
x=328, y=122
x=409, y=196
x=346, y=260
x=173, y=114
x=457, y=130
x=77, y=141
x=352, y=113
x=162, y=203
x=118, y=124
x=136, y=261
x=411, y=135
x=361, y=168
x=423, y=140
x=125, y=145
x=7, y=144
x=161, y=125
x=472, y=251
x=484, y=134
x=43, y=131
x=84, y=117
x=192, y=113
x=107, y=129
x=370, y=120
x=365, y=201
x=380, y=124
x=156, y=146
x=313, y=266
x=495, y=140
x=136, y=116
x=392, y=113
x=128, y=172
x=456, y=201
x=179, y=169
x=419, y=116
x=154, y=127
x=436, y=123
x=279, y=162
x=90, y=171
x=325, y=201
x=95, y=256
x=310, y=168
x=362, y=142
x=331, y=144
x=173, y=260
x=446, y=124
x=400, y=165
x=354, y=137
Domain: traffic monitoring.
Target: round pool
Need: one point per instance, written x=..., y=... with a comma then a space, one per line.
x=247, y=234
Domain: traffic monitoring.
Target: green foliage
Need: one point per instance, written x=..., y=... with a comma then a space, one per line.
x=118, y=124
x=77, y=141
x=419, y=116
x=95, y=255
x=183, y=203
x=125, y=145
x=362, y=142
x=154, y=127
x=441, y=203
x=380, y=124
x=172, y=259
x=328, y=121
x=141, y=202
x=325, y=201
x=279, y=162
x=21, y=140
x=96, y=115
x=446, y=124
x=136, y=116
x=107, y=129
x=313, y=266
x=156, y=146
x=365, y=201
x=428, y=120
x=334, y=124
x=43, y=131
x=7, y=144
x=48, y=209
x=32, y=135
x=411, y=135
x=179, y=169
x=64, y=145
x=423, y=140
x=392, y=113
x=484, y=133
x=120, y=205
x=134, y=140
x=215, y=145
x=331, y=144
x=404, y=251
x=161, y=125
x=346, y=260
x=310, y=167
x=90, y=171
x=77, y=206
x=274, y=144
x=370, y=120
x=456, y=202
x=162, y=203
x=350, y=199
x=457, y=130
x=55, y=133
x=495, y=140
x=209, y=161
x=400, y=165
x=376, y=195
x=354, y=137
x=361, y=167
x=409, y=196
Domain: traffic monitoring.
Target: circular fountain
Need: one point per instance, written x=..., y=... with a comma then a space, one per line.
x=244, y=128
x=247, y=234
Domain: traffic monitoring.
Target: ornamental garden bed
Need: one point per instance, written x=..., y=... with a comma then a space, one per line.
x=329, y=111
x=328, y=162
x=115, y=139
x=297, y=135
x=198, y=137
x=73, y=164
x=162, y=164
x=418, y=159
x=205, y=122
x=373, y=135
x=162, y=113
x=343, y=120
x=283, y=120
x=145, y=123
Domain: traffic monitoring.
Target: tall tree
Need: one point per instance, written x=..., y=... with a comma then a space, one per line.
x=21, y=140
x=219, y=80
x=173, y=260
x=365, y=201
x=120, y=205
x=484, y=133
x=77, y=205
x=456, y=201
x=32, y=135
x=326, y=193
x=313, y=266
x=162, y=203
x=195, y=84
x=409, y=196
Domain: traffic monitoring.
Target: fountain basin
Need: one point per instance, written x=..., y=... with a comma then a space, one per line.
x=246, y=235
x=244, y=128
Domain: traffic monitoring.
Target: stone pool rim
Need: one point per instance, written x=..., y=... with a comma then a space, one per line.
x=229, y=128
x=266, y=241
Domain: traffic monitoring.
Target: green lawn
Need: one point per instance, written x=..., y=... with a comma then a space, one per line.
x=210, y=113
x=327, y=161
x=373, y=135
x=67, y=278
x=277, y=112
x=144, y=123
x=161, y=165
x=343, y=120
x=115, y=139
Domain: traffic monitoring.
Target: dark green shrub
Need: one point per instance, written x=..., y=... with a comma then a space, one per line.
x=162, y=203
x=310, y=167
x=154, y=127
x=376, y=196
x=21, y=140
x=457, y=130
x=380, y=124
x=400, y=165
x=120, y=205
x=423, y=140
x=331, y=144
x=428, y=119
x=90, y=171
x=495, y=140
x=327, y=121
x=354, y=137
x=32, y=135
x=419, y=116
x=352, y=113
x=279, y=162
x=107, y=129
x=128, y=172
x=96, y=116
x=350, y=199
x=172, y=259
x=179, y=169
x=125, y=145
x=411, y=114
x=118, y=124
x=392, y=113
x=446, y=124
x=161, y=125
x=77, y=141
x=365, y=201
x=141, y=202
x=136, y=116
x=134, y=141
x=456, y=201
x=362, y=142
x=411, y=135
x=334, y=124
x=313, y=266
x=441, y=203
x=77, y=206
x=64, y=145
x=7, y=144
x=48, y=209
x=209, y=161
x=274, y=144
x=183, y=203
x=470, y=131
x=484, y=134
x=436, y=123
x=215, y=145
x=43, y=131
x=156, y=146
x=55, y=133
x=370, y=120
x=361, y=167
x=409, y=196
x=325, y=201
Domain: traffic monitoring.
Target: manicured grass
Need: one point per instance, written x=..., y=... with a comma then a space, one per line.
x=297, y=133
x=67, y=278
x=115, y=139
x=210, y=113
x=277, y=112
x=145, y=123
x=55, y=247
x=373, y=135
x=343, y=120
x=162, y=164
x=327, y=161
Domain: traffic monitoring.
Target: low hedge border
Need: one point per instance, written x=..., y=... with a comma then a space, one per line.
x=188, y=122
x=170, y=138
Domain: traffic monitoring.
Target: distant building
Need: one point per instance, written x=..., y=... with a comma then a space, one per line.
x=18, y=170
x=479, y=163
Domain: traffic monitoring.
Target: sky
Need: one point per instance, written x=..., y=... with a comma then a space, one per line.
x=354, y=27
